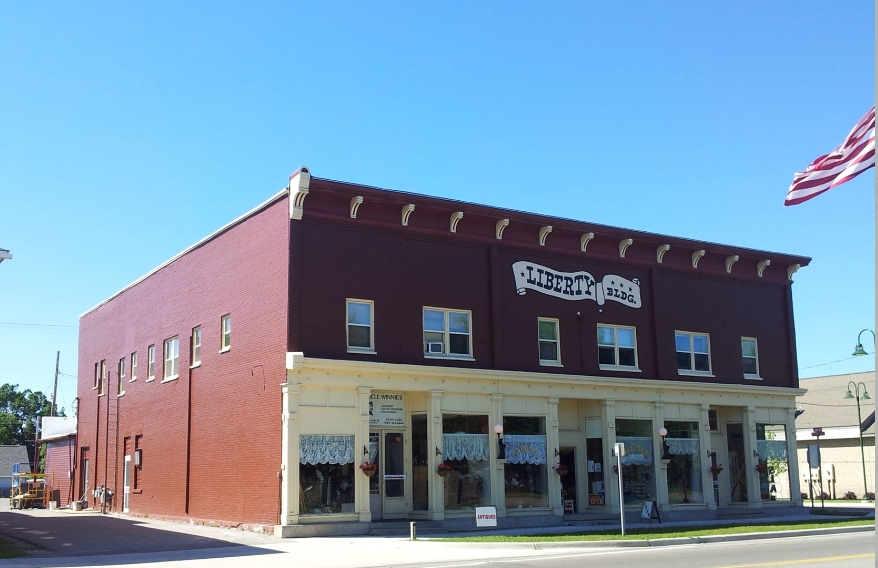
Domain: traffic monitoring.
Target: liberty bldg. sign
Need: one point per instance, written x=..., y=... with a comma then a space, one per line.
x=575, y=285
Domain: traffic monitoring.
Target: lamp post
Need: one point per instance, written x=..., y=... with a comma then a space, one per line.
x=501, y=447
x=864, y=396
x=858, y=350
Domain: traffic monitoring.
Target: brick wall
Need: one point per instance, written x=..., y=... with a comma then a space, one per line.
x=210, y=439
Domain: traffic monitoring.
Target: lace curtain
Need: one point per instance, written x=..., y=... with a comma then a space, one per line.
x=772, y=449
x=466, y=447
x=683, y=446
x=638, y=450
x=315, y=449
x=525, y=449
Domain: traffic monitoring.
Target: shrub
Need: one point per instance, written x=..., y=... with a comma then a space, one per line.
x=850, y=495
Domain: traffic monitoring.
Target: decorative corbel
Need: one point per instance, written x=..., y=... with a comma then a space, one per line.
x=406, y=213
x=660, y=252
x=356, y=201
x=730, y=260
x=500, y=227
x=791, y=269
x=544, y=232
x=696, y=256
x=455, y=219
x=623, y=246
x=760, y=266
x=300, y=181
x=584, y=240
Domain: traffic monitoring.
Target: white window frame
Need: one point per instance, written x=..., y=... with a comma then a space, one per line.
x=447, y=334
x=354, y=348
x=97, y=376
x=693, y=372
x=133, y=367
x=750, y=376
x=150, y=363
x=171, y=368
x=195, y=347
x=557, y=341
x=120, y=382
x=617, y=366
x=102, y=383
x=225, y=333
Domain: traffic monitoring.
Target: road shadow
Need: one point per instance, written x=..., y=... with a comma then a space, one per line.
x=56, y=537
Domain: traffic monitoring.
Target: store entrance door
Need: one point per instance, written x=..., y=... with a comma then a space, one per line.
x=387, y=499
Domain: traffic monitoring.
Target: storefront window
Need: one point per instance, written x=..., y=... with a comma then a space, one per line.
x=684, y=467
x=525, y=473
x=466, y=448
x=773, y=464
x=638, y=465
x=326, y=474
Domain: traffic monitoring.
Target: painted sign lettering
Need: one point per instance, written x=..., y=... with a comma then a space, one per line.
x=575, y=285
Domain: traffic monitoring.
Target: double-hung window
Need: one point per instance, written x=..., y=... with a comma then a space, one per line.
x=693, y=353
x=550, y=345
x=150, y=363
x=360, y=327
x=133, y=367
x=750, y=357
x=172, y=358
x=226, y=327
x=102, y=382
x=195, y=347
x=447, y=333
x=120, y=383
x=617, y=347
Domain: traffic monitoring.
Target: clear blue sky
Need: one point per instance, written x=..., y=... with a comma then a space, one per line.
x=128, y=131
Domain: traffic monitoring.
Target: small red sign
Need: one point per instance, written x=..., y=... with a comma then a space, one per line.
x=817, y=432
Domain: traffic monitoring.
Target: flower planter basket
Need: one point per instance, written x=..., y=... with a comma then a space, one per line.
x=562, y=471
x=369, y=472
x=716, y=470
x=442, y=472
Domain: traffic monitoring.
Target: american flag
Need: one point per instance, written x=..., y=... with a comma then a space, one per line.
x=854, y=156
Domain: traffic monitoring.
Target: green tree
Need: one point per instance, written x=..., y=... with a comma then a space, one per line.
x=20, y=413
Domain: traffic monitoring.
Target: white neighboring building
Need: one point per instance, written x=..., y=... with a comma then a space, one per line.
x=826, y=407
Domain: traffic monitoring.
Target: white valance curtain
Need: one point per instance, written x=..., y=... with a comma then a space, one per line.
x=638, y=450
x=772, y=449
x=683, y=446
x=525, y=449
x=315, y=449
x=466, y=447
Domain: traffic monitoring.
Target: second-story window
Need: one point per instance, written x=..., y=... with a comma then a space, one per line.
x=102, y=381
x=447, y=333
x=550, y=345
x=120, y=386
x=195, y=347
x=134, y=366
x=150, y=363
x=361, y=337
x=693, y=352
x=750, y=357
x=172, y=358
x=226, y=327
x=617, y=347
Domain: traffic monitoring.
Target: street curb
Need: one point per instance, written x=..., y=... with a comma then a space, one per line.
x=666, y=541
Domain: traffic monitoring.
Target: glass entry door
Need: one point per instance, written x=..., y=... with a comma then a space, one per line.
x=126, y=484
x=387, y=499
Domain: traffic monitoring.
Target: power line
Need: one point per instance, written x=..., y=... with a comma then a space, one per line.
x=36, y=325
x=831, y=362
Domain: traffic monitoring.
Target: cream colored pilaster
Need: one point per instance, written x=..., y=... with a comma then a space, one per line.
x=611, y=480
x=435, y=484
x=704, y=443
x=498, y=482
x=754, y=499
x=290, y=455
x=552, y=457
x=361, y=454
x=658, y=450
x=793, y=458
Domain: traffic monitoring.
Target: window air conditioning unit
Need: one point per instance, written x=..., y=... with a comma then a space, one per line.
x=435, y=347
x=137, y=457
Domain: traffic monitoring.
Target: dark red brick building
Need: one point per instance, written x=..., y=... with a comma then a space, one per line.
x=414, y=333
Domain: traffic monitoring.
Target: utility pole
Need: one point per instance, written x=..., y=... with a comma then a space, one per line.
x=55, y=390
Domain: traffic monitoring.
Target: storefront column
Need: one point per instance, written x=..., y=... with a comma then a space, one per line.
x=361, y=454
x=754, y=499
x=704, y=443
x=793, y=459
x=611, y=480
x=553, y=456
x=498, y=482
x=289, y=458
x=658, y=450
x=435, y=483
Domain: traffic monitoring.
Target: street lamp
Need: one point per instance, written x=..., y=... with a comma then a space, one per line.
x=864, y=396
x=5, y=254
x=858, y=350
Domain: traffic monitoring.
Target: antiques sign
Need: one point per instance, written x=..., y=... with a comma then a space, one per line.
x=486, y=516
x=575, y=285
x=386, y=409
